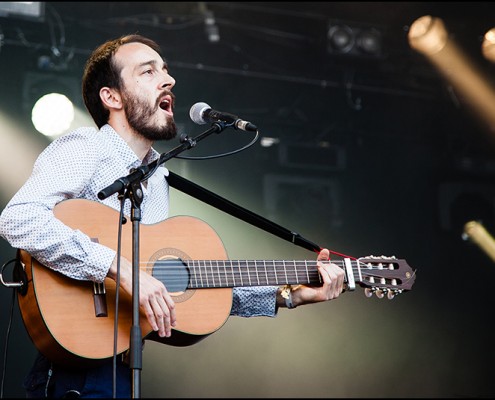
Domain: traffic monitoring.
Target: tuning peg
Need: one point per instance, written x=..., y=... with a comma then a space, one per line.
x=380, y=293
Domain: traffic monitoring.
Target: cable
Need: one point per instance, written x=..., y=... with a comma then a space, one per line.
x=222, y=154
x=117, y=287
x=4, y=366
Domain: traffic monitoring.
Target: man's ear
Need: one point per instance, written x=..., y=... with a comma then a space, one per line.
x=110, y=98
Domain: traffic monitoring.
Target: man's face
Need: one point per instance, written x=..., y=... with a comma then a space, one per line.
x=146, y=92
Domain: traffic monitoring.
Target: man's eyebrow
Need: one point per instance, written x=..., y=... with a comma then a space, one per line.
x=152, y=62
x=146, y=63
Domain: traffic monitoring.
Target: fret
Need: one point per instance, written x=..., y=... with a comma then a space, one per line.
x=307, y=272
x=246, y=269
x=195, y=275
x=256, y=269
x=233, y=276
x=295, y=270
x=192, y=268
x=318, y=277
x=198, y=274
x=255, y=265
x=266, y=272
x=240, y=273
x=218, y=272
x=212, y=273
x=275, y=271
x=205, y=273
x=285, y=272
x=201, y=275
x=248, y=272
x=227, y=273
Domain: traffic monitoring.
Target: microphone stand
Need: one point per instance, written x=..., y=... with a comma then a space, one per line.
x=130, y=187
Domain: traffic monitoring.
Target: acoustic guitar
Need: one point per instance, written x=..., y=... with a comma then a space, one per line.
x=72, y=321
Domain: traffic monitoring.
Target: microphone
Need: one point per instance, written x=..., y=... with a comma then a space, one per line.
x=201, y=113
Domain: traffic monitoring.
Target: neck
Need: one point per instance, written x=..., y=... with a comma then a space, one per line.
x=140, y=145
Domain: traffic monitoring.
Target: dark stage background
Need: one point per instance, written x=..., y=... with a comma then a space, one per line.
x=376, y=155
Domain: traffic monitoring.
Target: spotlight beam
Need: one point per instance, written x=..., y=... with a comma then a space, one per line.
x=429, y=37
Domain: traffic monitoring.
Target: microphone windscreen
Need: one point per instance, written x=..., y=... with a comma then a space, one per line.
x=196, y=113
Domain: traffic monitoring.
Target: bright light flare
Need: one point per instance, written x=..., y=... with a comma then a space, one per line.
x=428, y=35
x=52, y=114
x=488, y=45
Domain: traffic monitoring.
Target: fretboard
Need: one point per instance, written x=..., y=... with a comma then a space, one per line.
x=235, y=273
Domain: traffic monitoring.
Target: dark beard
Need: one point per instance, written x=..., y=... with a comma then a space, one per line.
x=138, y=114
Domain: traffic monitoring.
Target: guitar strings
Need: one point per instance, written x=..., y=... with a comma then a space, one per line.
x=216, y=273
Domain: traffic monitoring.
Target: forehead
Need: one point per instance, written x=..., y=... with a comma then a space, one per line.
x=132, y=55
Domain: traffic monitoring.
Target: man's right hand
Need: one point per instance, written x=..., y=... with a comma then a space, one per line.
x=154, y=299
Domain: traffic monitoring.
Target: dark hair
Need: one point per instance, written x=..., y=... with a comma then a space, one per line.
x=101, y=70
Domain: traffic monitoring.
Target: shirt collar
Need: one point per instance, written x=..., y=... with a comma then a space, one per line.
x=125, y=153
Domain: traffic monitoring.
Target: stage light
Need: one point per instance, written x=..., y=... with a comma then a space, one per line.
x=370, y=41
x=32, y=10
x=52, y=114
x=340, y=39
x=488, y=45
x=49, y=99
x=428, y=35
x=211, y=27
x=354, y=40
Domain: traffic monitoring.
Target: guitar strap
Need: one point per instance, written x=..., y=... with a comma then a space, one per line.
x=237, y=211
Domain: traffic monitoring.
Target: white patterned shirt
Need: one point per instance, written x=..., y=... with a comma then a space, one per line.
x=79, y=165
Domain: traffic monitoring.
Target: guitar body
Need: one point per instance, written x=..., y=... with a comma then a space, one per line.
x=60, y=313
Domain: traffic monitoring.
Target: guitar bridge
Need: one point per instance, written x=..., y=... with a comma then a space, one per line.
x=100, y=299
x=99, y=295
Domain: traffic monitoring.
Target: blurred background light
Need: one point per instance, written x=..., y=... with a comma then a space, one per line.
x=52, y=114
x=354, y=40
x=369, y=41
x=488, y=45
x=428, y=35
x=33, y=10
x=340, y=39
x=49, y=98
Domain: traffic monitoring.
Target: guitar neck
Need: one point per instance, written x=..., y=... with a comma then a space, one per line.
x=384, y=273
x=235, y=273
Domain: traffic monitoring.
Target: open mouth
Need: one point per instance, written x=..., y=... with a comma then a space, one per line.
x=166, y=104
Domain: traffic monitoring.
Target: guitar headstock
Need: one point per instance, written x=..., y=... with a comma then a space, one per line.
x=384, y=276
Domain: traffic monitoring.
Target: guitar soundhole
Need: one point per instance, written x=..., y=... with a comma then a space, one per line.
x=167, y=266
x=173, y=273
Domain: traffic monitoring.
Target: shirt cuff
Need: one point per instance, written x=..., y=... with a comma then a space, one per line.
x=258, y=301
